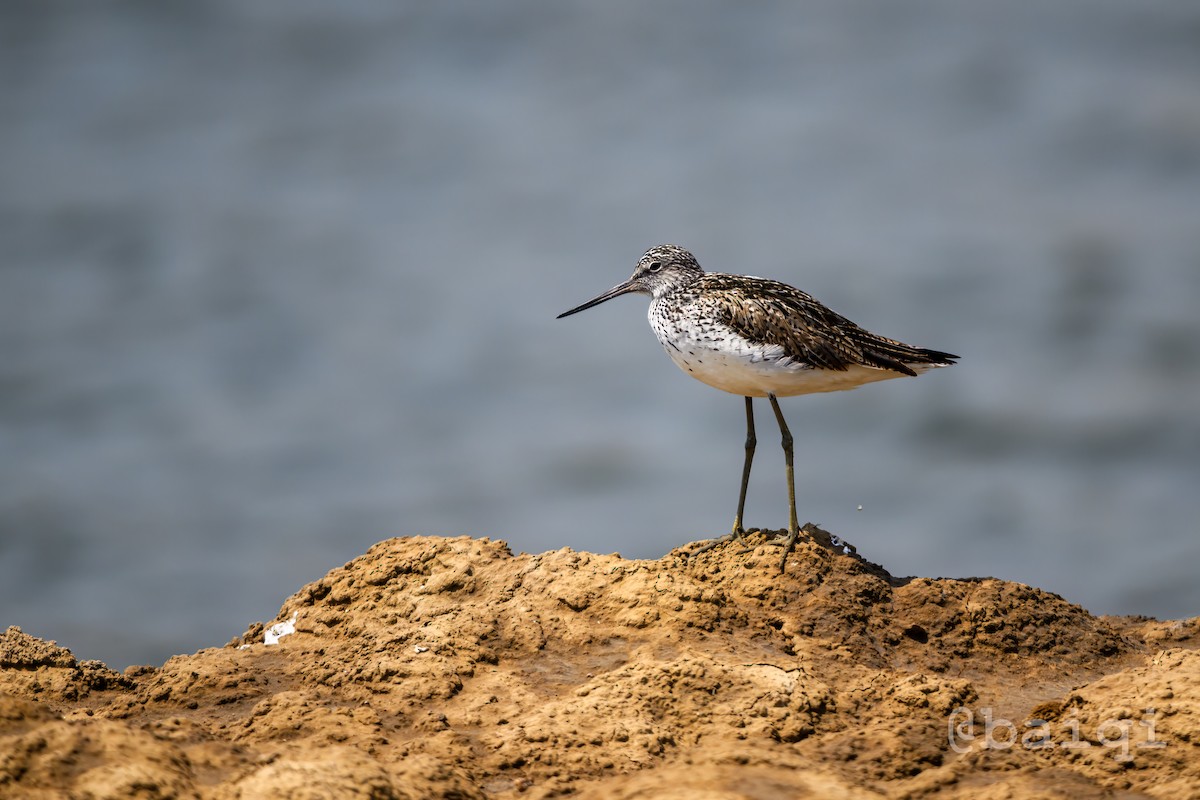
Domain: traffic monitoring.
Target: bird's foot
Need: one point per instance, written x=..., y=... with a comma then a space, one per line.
x=789, y=544
x=711, y=544
x=737, y=534
x=741, y=533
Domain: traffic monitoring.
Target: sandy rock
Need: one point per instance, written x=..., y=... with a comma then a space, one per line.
x=432, y=667
x=96, y=759
x=35, y=667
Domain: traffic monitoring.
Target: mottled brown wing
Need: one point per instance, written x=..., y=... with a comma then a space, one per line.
x=775, y=313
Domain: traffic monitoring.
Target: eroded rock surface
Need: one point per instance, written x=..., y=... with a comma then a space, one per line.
x=450, y=668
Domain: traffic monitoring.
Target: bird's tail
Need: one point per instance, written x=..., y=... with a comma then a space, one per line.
x=897, y=356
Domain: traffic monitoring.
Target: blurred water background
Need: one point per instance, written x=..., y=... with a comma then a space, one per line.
x=278, y=280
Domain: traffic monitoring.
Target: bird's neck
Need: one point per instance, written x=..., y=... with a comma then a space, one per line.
x=679, y=283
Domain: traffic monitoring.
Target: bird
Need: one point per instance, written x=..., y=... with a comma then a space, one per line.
x=757, y=337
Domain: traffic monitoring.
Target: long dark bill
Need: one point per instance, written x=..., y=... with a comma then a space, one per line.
x=616, y=291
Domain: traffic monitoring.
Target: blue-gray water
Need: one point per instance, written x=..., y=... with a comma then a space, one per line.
x=278, y=280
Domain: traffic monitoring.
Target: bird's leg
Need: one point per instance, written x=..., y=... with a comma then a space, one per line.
x=738, y=530
x=793, y=525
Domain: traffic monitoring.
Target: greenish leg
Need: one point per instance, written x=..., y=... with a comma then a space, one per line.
x=793, y=525
x=751, y=442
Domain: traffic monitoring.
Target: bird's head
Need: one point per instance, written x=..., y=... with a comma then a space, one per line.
x=660, y=271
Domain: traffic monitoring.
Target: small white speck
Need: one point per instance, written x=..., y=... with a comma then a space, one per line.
x=420, y=648
x=860, y=508
x=280, y=629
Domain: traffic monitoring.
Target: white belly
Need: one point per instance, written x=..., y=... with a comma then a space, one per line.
x=744, y=375
x=723, y=360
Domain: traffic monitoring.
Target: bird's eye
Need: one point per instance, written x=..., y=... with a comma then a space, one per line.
x=655, y=266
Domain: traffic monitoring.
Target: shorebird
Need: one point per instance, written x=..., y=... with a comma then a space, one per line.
x=757, y=337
